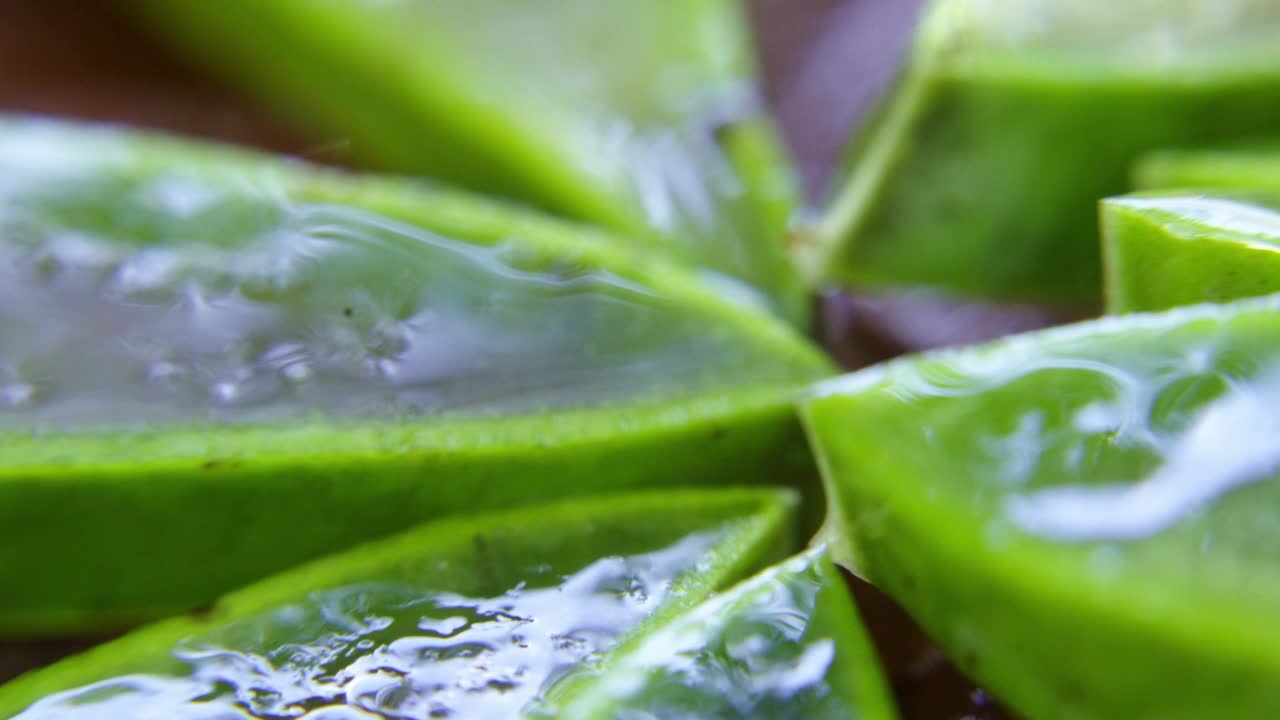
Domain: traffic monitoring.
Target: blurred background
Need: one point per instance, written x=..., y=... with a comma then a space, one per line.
x=824, y=62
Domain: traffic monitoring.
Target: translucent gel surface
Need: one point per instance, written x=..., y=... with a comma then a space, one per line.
x=749, y=653
x=165, y=296
x=1157, y=427
x=383, y=650
x=1088, y=517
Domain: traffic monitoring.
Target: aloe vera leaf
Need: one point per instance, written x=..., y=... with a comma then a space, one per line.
x=1165, y=250
x=470, y=615
x=785, y=643
x=1251, y=168
x=981, y=172
x=645, y=117
x=457, y=356
x=1083, y=518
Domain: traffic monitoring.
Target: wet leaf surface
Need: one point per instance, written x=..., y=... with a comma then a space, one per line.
x=483, y=616
x=1079, y=516
x=646, y=118
x=89, y=62
x=201, y=336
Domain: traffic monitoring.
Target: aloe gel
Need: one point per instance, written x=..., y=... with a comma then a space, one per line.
x=227, y=365
x=645, y=118
x=1083, y=518
x=783, y=644
x=1255, y=168
x=475, y=617
x=1165, y=250
x=1014, y=117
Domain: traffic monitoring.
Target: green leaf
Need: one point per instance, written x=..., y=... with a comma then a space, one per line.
x=474, y=617
x=215, y=366
x=982, y=171
x=1180, y=249
x=1252, y=168
x=783, y=644
x=1085, y=518
x=644, y=117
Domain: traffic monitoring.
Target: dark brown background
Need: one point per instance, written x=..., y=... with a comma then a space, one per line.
x=824, y=62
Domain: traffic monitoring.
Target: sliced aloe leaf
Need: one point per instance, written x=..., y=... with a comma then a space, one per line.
x=1248, y=168
x=1175, y=249
x=641, y=117
x=1086, y=518
x=783, y=644
x=473, y=617
x=982, y=171
x=214, y=366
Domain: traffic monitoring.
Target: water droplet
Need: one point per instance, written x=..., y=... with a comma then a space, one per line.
x=70, y=249
x=167, y=373
x=178, y=196
x=245, y=388
x=298, y=372
x=385, y=650
x=150, y=276
x=291, y=360
x=18, y=395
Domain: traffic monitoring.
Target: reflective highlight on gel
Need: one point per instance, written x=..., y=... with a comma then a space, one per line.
x=1118, y=429
x=397, y=652
x=1231, y=442
x=747, y=653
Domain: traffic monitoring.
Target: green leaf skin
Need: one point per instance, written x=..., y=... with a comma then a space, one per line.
x=783, y=644
x=1174, y=249
x=644, y=118
x=589, y=369
x=518, y=558
x=981, y=172
x=1255, y=168
x=1085, y=518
